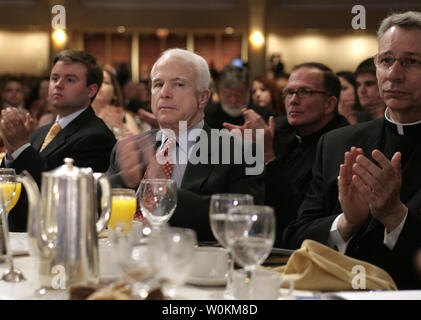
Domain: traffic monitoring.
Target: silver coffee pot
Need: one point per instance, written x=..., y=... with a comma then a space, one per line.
x=62, y=224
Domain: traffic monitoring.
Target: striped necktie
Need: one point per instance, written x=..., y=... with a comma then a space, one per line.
x=54, y=130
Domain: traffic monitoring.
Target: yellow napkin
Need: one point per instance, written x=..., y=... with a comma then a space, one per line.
x=317, y=267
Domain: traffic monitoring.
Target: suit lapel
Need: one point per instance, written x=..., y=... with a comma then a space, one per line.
x=39, y=139
x=68, y=131
x=369, y=145
x=197, y=174
x=411, y=183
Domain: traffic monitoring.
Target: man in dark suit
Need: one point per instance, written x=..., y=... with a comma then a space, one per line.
x=311, y=97
x=180, y=92
x=77, y=133
x=234, y=93
x=365, y=195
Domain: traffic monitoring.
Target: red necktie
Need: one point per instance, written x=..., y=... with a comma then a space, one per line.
x=167, y=168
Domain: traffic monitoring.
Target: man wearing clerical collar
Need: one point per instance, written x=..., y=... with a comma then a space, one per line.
x=179, y=94
x=365, y=196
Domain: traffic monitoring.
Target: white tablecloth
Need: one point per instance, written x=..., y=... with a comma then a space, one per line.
x=27, y=289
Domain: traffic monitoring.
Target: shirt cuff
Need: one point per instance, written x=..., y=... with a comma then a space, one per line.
x=392, y=237
x=16, y=154
x=335, y=239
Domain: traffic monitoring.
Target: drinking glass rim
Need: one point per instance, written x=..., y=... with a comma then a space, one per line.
x=231, y=195
x=7, y=172
x=252, y=208
x=127, y=191
x=157, y=180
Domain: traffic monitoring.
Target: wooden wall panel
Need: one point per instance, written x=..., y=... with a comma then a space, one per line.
x=121, y=46
x=230, y=49
x=149, y=51
x=95, y=45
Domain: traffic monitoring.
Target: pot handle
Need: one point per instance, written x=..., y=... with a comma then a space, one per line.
x=105, y=201
x=39, y=243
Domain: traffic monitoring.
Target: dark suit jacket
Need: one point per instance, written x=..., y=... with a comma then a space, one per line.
x=199, y=182
x=321, y=205
x=288, y=176
x=86, y=139
x=215, y=115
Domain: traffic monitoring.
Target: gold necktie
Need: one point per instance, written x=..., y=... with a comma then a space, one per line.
x=54, y=130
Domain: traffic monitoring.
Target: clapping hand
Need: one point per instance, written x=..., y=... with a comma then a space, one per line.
x=254, y=121
x=354, y=206
x=133, y=155
x=16, y=128
x=366, y=188
x=380, y=187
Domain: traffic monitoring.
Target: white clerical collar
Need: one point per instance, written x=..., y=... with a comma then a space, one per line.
x=399, y=126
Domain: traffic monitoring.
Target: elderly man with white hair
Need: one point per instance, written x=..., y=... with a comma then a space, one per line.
x=179, y=93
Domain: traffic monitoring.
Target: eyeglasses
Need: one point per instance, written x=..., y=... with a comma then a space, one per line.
x=385, y=61
x=301, y=93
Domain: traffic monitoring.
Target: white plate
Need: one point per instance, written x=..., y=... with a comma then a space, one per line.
x=207, y=281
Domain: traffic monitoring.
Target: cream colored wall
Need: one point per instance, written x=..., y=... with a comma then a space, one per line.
x=339, y=51
x=24, y=52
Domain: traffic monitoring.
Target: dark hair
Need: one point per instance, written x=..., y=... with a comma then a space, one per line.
x=118, y=94
x=367, y=66
x=275, y=94
x=93, y=69
x=350, y=77
x=11, y=79
x=331, y=82
x=233, y=77
x=34, y=94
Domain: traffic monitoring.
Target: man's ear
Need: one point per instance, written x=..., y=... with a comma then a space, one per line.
x=204, y=98
x=331, y=104
x=92, y=90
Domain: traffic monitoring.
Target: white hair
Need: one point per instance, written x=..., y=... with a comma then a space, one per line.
x=199, y=64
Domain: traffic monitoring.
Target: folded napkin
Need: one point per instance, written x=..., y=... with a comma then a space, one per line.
x=317, y=267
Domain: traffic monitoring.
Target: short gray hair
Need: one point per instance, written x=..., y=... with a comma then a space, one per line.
x=409, y=19
x=199, y=63
x=232, y=77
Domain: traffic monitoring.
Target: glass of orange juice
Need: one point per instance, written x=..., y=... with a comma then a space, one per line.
x=123, y=209
x=10, y=188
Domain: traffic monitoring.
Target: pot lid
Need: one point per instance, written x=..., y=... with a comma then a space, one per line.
x=68, y=169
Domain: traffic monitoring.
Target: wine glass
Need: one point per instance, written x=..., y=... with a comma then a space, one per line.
x=157, y=199
x=218, y=210
x=171, y=252
x=10, y=194
x=132, y=259
x=250, y=234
